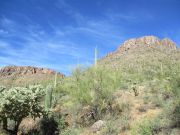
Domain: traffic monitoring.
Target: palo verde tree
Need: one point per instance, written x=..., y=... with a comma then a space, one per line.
x=18, y=103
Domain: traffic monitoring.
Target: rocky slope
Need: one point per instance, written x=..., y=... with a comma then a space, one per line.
x=147, y=41
x=148, y=65
x=20, y=75
x=137, y=50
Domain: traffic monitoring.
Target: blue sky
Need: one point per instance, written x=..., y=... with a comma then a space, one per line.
x=60, y=34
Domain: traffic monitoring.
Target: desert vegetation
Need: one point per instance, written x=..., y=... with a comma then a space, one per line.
x=132, y=94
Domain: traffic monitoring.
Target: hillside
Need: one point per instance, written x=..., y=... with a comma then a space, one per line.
x=147, y=50
x=26, y=75
x=138, y=82
x=132, y=91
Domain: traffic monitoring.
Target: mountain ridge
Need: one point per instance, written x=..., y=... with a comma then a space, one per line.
x=26, y=75
x=145, y=42
x=143, y=49
x=25, y=70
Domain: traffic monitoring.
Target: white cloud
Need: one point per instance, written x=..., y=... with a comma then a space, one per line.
x=3, y=32
x=40, y=49
x=6, y=22
x=69, y=10
x=3, y=44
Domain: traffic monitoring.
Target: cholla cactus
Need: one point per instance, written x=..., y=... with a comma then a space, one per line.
x=19, y=102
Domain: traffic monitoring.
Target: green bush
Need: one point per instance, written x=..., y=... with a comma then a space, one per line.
x=73, y=131
x=110, y=129
x=176, y=115
x=175, y=84
x=146, y=127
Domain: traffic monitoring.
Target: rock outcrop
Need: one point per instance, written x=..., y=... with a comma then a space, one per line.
x=137, y=50
x=146, y=41
x=25, y=70
x=97, y=126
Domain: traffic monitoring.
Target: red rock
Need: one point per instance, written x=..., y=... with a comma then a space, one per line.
x=25, y=70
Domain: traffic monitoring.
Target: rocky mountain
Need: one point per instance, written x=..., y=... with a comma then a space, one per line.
x=137, y=50
x=12, y=75
x=25, y=70
x=147, y=41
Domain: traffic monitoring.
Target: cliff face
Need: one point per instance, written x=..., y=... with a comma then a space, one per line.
x=25, y=70
x=26, y=75
x=147, y=41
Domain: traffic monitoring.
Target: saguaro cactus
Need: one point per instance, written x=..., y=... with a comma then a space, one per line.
x=55, y=80
x=48, y=97
x=95, y=57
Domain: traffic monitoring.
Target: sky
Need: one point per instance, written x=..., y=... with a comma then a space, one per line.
x=60, y=34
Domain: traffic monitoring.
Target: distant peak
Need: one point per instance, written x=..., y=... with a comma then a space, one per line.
x=146, y=41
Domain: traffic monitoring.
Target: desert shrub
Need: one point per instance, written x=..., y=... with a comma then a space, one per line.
x=145, y=127
x=121, y=106
x=72, y=131
x=117, y=124
x=52, y=117
x=176, y=91
x=80, y=87
x=176, y=115
x=93, y=86
x=175, y=84
x=110, y=129
x=3, y=133
x=62, y=123
x=157, y=100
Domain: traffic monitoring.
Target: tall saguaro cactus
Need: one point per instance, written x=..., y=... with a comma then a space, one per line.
x=48, y=97
x=55, y=80
x=95, y=57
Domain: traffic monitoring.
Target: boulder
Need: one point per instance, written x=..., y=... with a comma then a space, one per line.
x=86, y=116
x=98, y=126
